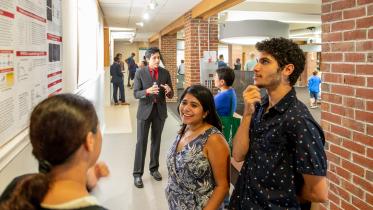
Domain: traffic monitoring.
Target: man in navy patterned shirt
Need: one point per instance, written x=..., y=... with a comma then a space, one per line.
x=280, y=142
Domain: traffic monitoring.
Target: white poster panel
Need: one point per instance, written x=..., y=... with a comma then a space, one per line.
x=7, y=71
x=25, y=71
x=54, y=36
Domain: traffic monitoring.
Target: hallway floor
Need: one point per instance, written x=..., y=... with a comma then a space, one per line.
x=117, y=192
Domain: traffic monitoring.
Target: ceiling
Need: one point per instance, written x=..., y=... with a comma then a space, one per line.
x=299, y=14
x=126, y=13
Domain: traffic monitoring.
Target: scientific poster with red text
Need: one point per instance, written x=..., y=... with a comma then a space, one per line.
x=26, y=70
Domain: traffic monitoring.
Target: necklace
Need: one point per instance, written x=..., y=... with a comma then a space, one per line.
x=189, y=136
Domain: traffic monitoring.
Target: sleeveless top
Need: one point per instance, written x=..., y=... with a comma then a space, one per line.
x=190, y=176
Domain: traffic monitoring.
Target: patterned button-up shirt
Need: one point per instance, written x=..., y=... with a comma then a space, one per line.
x=285, y=143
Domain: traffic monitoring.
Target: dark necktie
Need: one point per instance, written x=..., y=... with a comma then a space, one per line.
x=154, y=81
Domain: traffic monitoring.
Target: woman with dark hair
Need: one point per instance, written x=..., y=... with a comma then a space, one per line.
x=198, y=161
x=66, y=141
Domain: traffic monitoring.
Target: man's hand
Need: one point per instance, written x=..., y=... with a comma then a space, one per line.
x=166, y=88
x=152, y=90
x=251, y=96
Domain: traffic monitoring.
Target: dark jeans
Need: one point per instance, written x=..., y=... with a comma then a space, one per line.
x=314, y=95
x=131, y=76
x=121, y=92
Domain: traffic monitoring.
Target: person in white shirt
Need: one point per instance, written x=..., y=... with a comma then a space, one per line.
x=181, y=69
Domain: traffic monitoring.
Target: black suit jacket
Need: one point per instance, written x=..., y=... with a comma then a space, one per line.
x=116, y=73
x=143, y=80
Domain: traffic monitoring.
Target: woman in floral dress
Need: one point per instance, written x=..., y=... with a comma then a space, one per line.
x=198, y=160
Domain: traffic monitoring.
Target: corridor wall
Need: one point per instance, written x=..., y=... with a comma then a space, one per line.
x=15, y=155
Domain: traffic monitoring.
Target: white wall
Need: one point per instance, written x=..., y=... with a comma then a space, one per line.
x=16, y=157
x=127, y=48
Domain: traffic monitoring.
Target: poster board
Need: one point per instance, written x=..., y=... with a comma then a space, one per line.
x=208, y=66
x=30, y=60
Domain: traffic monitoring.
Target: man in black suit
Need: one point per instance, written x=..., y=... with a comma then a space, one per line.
x=152, y=85
x=117, y=80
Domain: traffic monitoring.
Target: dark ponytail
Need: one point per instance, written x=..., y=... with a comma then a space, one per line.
x=58, y=127
x=28, y=193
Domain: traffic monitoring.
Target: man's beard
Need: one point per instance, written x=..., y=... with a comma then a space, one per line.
x=274, y=83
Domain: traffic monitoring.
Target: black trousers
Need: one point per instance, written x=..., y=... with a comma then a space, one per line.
x=143, y=127
x=121, y=92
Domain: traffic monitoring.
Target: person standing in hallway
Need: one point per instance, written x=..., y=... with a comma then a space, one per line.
x=132, y=66
x=152, y=86
x=237, y=65
x=282, y=145
x=314, y=88
x=225, y=103
x=117, y=80
x=121, y=63
x=66, y=141
x=180, y=75
x=198, y=161
x=225, y=100
x=221, y=62
x=250, y=63
x=181, y=70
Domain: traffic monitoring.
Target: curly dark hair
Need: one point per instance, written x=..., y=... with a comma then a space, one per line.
x=285, y=52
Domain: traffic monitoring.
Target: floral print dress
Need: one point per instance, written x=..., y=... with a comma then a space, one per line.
x=190, y=177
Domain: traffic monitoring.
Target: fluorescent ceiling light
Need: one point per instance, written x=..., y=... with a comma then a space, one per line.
x=121, y=29
x=141, y=24
x=123, y=35
x=146, y=16
x=249, y=40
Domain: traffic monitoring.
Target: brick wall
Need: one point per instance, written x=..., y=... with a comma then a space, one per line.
x=347, y=111
x=168, y=50
x=193, y=43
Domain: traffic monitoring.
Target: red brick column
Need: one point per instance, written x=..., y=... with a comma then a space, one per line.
x=206, y=38
x=168, y=50
x=347, y=109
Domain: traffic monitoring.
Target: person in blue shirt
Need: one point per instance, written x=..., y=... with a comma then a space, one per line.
x=132, y=66
x=314, y=87
x=225, y=100
x=221, y=62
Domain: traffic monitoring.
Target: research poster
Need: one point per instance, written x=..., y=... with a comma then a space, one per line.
x=54, y=39
x=30, y=60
